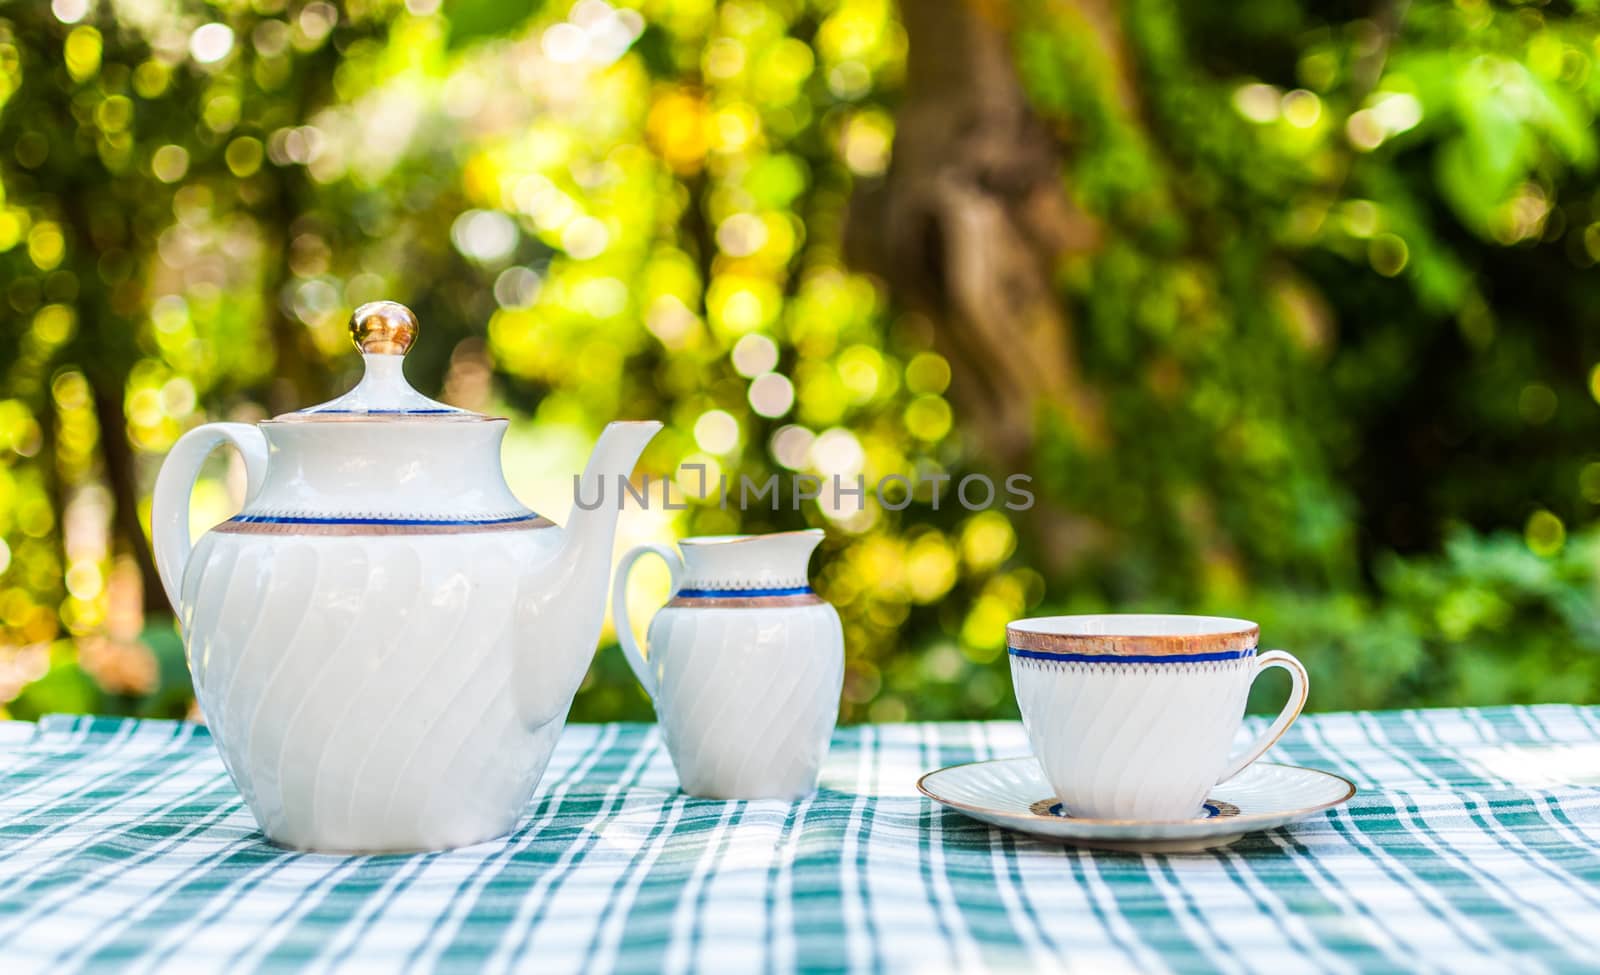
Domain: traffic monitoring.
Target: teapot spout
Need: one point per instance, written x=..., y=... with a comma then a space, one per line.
x=565, y=604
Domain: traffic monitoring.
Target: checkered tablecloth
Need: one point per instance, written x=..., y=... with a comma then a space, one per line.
x=1474, y=846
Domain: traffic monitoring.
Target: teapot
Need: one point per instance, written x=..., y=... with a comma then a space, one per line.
x=384, y=642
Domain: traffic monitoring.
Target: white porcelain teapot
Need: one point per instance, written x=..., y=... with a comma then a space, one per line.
x=384, y=642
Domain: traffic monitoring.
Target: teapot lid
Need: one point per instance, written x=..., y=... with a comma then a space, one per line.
x=384, y=331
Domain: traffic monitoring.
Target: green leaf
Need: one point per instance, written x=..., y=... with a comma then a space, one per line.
x=66, y=689
x=476, y=20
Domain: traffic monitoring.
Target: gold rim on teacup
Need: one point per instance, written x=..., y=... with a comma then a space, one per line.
x=1132, y=635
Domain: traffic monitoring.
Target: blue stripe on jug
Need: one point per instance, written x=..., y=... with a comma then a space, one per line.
x=741, y=593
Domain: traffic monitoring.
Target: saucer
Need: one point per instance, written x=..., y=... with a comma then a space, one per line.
x=1012, y=793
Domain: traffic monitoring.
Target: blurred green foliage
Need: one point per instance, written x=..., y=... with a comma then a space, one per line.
x=1339, y=320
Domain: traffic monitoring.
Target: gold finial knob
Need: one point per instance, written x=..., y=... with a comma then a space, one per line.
x=383, y=328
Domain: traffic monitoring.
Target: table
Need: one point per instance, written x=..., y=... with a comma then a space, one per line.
x=1473, y=846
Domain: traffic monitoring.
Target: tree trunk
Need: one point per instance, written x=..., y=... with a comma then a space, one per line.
x=106, y=350
x=121, y=471
x=971, y=221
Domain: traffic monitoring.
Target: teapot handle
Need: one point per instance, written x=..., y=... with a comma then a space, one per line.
x=169, y=508
x=619, y=609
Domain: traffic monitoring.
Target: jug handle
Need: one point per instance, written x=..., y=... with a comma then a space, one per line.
x=169, y=507
x=619, y=609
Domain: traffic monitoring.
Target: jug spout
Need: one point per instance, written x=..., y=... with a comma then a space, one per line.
x=561, y=615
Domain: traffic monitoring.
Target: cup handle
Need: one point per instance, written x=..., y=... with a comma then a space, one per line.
x=1299, y=686
x=619, y=609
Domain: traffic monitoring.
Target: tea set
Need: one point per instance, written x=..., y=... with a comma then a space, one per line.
x=385, y=644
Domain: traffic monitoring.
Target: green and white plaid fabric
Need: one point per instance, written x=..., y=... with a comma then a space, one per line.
x=1474, y=846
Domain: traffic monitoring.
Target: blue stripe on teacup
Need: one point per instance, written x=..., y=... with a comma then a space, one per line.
x=741, y=593
x=1134, y=658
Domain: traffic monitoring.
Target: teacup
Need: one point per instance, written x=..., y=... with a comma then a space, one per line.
x=1132, y=716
